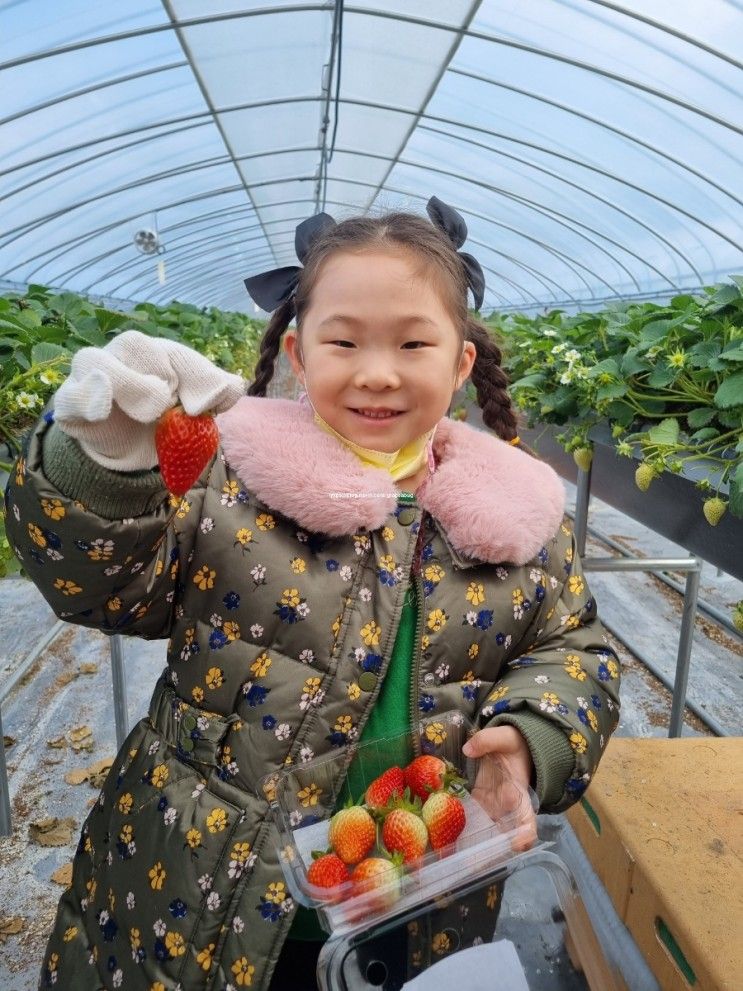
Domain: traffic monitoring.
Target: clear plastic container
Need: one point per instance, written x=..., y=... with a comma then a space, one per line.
x=499, y=822
x=426, y=948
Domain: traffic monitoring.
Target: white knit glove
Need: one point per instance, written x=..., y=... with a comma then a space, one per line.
x=114, y=396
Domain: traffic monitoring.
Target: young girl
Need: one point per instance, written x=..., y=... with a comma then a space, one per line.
x=343, y=565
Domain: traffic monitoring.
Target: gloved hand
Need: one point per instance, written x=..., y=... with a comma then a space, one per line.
x=114, y=396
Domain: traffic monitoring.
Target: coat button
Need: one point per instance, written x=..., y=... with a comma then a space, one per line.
x=367, y=681
x=188, y=722
x=406, y=515
x=187, y=744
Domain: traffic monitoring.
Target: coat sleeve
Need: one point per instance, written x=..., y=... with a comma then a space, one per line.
x=104, y=548
x=560, y=687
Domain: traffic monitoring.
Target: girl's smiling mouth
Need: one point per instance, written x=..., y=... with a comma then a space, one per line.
x=381, y=414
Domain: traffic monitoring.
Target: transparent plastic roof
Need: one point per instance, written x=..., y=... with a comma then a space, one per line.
x=594, y=148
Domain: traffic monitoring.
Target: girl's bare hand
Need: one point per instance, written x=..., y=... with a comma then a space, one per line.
x=503, y=777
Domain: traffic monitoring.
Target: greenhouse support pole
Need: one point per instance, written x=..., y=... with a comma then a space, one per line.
x=691, y=594
x=5, y=822
x=117, y=675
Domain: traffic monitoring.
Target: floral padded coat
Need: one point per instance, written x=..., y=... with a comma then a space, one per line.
x=279, y=580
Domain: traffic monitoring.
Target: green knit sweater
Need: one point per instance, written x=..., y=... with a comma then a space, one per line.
x=389, y=717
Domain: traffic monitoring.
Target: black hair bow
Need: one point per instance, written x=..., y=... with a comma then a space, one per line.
x=452, y=224
x=271, y=289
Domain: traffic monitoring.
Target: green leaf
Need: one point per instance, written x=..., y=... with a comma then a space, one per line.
x=735, y=498
x=732, y=418
x=88, y=331
x=703, y=353
x=654, y=331
x=700, y=417
x=612, y=390
x=723, y=296
x=705, y=434
x=662, y=375
x=632, y=363
x=730, y=392
x=47, y=352
x=733, y=352
x=109, y=320
x=620, y=413
x=535, y=378
x=608, y=366
x=665, y=432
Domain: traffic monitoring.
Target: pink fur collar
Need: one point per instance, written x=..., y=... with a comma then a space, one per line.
x=492, y=502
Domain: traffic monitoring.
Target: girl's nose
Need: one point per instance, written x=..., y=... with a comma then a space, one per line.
x=376, y=373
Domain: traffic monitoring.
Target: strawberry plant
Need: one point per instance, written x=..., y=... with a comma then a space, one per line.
x=41, y=330
x=667, y=378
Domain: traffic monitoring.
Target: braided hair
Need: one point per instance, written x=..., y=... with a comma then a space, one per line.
x=439, y=261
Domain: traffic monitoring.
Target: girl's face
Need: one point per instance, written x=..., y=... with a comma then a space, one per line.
x=378, y=337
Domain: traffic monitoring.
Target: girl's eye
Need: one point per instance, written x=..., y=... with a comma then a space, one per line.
x=408, y=343
x=342, y=343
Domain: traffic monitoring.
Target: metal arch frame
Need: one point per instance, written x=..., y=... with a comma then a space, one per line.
x=210, y=163
x=170, y=246
x=378, y=106
x=233, y=189
x=579, y=233
x=523, y=200
x=208, y=100
x=559, y=255
x=184, y=276
x=389, y=15
x=231, y=232
x=590, y=193
x=600, y=123
x=37, y=222
x=96, y=157
x=530, y=205
x=445, y=63
x=666, y=30
x=511, y=258
x=93, y=88
x=490, y=132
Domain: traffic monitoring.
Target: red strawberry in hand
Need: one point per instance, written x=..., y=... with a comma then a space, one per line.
x=184, y=446
x=444, y=817
x=389, y=785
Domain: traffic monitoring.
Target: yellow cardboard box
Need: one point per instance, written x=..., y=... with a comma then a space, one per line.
x=662, y=824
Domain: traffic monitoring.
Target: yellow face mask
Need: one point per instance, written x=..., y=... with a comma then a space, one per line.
x=402, y=463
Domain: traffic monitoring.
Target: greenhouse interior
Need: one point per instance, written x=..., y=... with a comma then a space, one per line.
x=336, y=767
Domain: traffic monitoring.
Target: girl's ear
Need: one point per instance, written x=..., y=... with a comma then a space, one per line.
x=469, y=354
x=291, y=346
